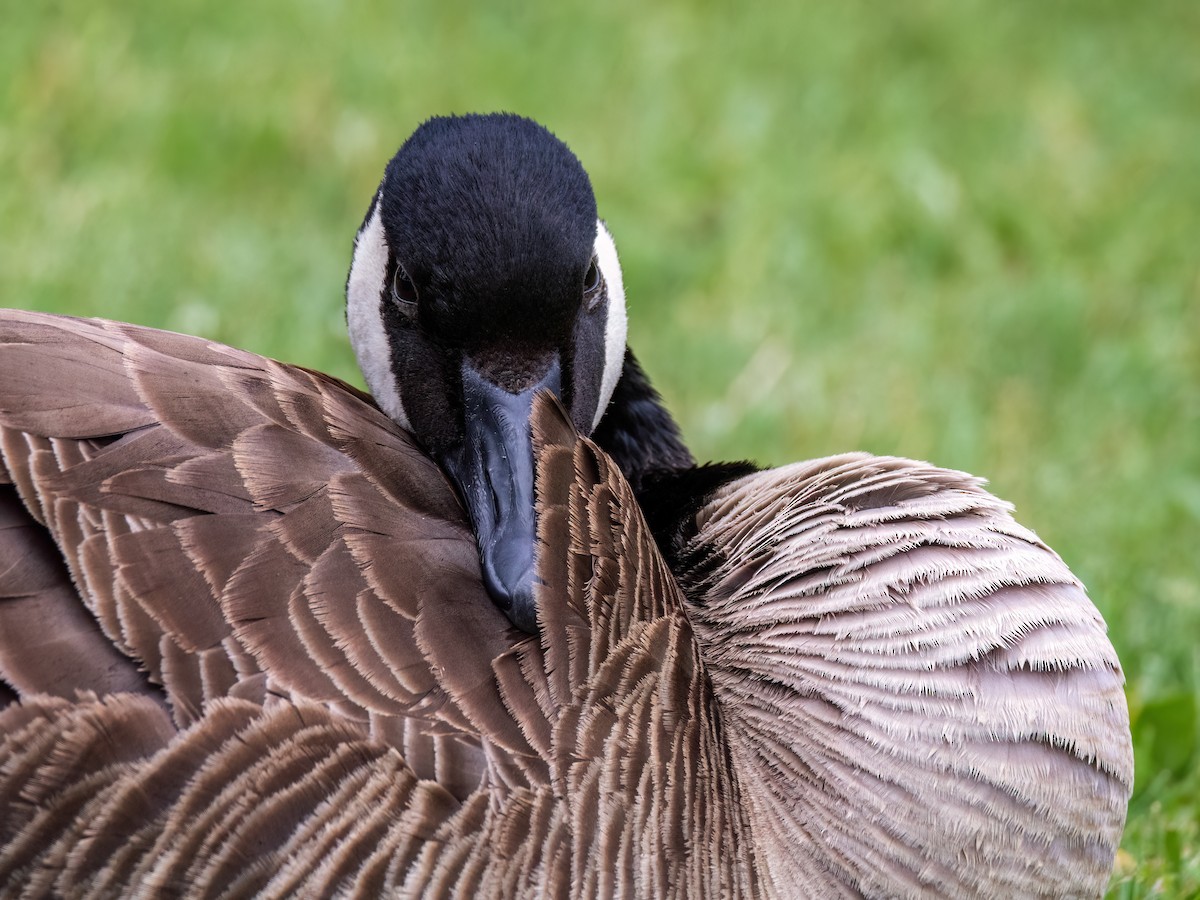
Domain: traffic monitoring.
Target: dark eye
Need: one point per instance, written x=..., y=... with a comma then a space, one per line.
x=591, y=284
x=402, y=287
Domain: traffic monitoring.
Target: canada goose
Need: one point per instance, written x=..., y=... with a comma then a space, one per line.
x=277, y=661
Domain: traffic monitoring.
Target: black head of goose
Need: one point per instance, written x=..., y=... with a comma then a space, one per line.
x=254, y=644
x=481, y=276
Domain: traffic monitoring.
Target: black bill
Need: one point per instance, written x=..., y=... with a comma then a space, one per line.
x=493, y=469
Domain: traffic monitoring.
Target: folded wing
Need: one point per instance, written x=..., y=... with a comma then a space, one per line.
x=920, y=698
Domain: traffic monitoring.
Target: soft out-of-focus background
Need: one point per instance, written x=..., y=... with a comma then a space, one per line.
x=961, y=231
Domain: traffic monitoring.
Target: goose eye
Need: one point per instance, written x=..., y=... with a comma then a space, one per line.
x=403, y=290
x=591, y=285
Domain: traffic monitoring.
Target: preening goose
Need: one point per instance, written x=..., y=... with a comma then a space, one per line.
x=264, y=637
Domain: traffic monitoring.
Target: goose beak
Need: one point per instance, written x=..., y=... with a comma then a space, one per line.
x=493, y=469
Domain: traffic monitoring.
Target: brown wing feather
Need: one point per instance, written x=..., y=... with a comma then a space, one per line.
x=281, y=470
x=50, y=644
x=883, y=672
x=386, y=669
x=922, y=701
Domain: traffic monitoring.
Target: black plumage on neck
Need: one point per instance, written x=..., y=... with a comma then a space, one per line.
x=637, y=431
x=644, y=440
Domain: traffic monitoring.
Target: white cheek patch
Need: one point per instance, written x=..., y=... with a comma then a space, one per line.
x=615, y=326
x=365, y=294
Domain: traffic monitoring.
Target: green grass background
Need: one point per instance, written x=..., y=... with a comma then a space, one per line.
x=961, y=231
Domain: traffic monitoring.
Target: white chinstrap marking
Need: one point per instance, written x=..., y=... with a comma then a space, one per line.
x=365, y=294
x=617, y=322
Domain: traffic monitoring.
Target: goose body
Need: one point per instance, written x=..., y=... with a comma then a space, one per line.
x=252, y=645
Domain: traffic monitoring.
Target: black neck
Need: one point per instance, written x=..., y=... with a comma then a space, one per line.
x=644, y=440
x=637, y=431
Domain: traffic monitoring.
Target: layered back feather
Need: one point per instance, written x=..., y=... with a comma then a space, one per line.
x=249, y=653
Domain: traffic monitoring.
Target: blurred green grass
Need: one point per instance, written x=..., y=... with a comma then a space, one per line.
x=963, y=232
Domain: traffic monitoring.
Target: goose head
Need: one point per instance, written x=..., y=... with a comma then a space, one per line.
x=481, y=275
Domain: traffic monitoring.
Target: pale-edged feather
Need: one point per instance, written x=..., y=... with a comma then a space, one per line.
x=871, y=682
x=49, y=643
x=125, y=511
x=922, y=685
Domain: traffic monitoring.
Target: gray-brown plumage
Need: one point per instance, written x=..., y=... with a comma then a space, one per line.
x=259, y=638
x=281, y=674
